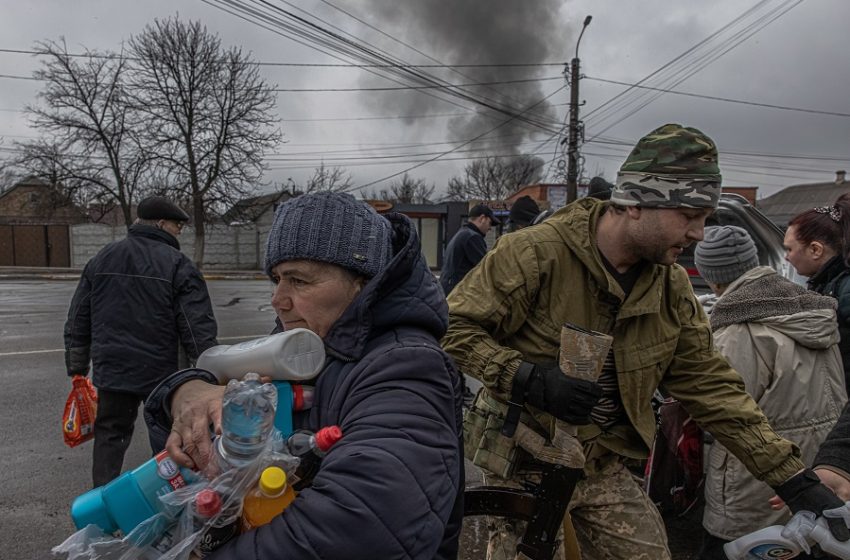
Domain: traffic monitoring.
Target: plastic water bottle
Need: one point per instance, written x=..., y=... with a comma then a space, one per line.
x=295, y=355
x=310, y=448
x=768, y=544
x=267, y=500
x=247, y=416
x=218, y=526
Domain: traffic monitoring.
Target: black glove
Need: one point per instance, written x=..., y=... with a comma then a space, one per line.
x=566, y=398
x=805, y=492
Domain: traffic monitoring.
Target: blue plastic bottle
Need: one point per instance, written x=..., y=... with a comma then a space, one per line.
x=132, y=497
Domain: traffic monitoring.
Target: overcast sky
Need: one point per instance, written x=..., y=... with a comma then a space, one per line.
x=724, y=49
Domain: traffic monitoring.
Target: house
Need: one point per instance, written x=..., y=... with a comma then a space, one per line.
x=790, y=201
x=34, y=220
x=258, y=210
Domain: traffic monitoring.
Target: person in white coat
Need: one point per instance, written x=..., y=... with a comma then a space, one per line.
x=783, y=340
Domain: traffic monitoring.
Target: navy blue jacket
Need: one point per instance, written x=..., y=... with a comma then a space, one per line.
x=464, y=251
x=393, y=486
x=138, y=301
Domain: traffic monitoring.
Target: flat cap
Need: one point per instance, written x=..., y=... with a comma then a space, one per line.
x=160, y=208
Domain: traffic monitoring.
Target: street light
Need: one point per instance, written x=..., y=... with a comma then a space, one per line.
x=572, y=149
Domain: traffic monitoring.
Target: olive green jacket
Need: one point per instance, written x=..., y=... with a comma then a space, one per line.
x=512, y=305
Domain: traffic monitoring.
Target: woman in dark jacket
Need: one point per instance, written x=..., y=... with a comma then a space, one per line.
x=817, y=244
x=392, y=487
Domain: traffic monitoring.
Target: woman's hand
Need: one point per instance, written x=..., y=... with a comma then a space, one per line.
x=195, y=406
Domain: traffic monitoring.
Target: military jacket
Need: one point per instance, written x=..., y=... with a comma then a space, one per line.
x=512, y=306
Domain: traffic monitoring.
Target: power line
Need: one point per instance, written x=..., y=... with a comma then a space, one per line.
x=311, y=64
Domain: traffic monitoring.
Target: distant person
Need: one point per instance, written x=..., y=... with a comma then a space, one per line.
x=523, y=213
x=467, y=247
x=599, y=188
x=139, y=302
x=817, y=244
x=783, y=341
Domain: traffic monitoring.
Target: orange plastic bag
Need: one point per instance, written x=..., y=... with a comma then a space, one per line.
x=80, y=411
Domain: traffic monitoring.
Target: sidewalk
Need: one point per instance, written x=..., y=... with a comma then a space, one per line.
x=49, y=273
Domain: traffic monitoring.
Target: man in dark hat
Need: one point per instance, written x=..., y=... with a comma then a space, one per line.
x=139, y=306
x=467, y=247
x=599, y=188
x=523, y=213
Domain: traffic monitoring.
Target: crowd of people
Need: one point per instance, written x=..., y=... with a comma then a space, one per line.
x=764, y=374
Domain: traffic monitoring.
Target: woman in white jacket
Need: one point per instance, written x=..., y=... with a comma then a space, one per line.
x=783, y=339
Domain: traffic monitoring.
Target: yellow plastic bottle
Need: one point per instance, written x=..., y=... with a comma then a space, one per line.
x=267, y=500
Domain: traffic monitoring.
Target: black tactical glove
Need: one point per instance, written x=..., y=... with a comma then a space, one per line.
x=566, y=398
x=805, y=492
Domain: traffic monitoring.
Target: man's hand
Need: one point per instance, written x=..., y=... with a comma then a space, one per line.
x=805, y=492
x=195, y=406
x=566, y=398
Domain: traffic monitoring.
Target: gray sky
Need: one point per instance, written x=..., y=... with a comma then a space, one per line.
x=798, y=60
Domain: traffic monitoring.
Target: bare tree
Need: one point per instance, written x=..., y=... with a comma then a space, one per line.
x=410, y=191
x=334, y=179
x=493, y=178
x=209, y=115
x=90, y=142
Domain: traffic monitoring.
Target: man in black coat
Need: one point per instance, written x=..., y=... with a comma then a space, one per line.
x=139, y=302
x=467, y=247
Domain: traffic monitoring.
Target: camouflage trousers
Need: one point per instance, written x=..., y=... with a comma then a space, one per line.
x=612, y=516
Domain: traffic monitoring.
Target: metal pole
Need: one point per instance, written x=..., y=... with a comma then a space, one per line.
x=572, y=147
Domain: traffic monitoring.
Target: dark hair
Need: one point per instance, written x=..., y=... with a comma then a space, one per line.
x=829, y=225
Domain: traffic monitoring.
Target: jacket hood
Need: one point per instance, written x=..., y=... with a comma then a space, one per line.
x=763, y=296
x=579, y=233
x=403, y=294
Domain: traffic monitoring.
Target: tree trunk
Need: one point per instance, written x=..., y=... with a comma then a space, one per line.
x=200, y=234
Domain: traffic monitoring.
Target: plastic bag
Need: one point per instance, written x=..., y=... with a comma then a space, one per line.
x=80, y=412
x=175, y=533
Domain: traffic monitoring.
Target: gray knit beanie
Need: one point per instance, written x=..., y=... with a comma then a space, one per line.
x=333, y=228
x=725, y=253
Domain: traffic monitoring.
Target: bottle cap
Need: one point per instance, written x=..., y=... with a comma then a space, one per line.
x=327, y=436
x=207, y=502
x=272, y=481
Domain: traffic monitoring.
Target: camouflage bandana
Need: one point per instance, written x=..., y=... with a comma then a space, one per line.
x=671, y=167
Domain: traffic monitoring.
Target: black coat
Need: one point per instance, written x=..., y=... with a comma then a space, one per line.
x=464, y=251
x=834, y=280
x=392, y=488
x=138, y=301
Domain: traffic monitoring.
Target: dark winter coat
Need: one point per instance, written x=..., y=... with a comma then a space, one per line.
x=834, y=280
x=138, y=301
x=392, y=487
x=464, y=251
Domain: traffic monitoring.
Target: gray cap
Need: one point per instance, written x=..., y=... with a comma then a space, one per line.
x=725, y=253
x=333, y=228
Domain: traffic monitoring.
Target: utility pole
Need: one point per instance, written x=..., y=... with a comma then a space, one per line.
x=572, y=138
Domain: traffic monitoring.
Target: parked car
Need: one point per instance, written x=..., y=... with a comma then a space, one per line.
x=735, y=210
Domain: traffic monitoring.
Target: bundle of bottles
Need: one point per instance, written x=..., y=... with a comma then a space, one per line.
x=161, y=510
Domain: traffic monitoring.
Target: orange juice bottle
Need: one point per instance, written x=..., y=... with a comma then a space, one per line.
x=267, y=500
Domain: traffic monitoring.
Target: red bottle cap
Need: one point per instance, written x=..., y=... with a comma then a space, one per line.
x=327, y=436
x=207, y=502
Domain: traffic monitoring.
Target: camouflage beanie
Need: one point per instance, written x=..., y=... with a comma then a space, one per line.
x=671, y=167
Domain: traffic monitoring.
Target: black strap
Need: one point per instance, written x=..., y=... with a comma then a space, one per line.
x=515, y=405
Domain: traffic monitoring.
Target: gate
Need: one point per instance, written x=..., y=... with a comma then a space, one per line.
x=35, y=245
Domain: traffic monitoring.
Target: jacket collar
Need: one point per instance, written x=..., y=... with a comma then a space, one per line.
x=577, y=226
x=474, y=228
x=151, y=232
x=832, y=269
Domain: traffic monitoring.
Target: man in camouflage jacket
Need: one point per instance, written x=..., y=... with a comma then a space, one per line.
x=609, y=267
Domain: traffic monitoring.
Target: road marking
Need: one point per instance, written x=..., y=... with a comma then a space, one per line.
x=26, y=352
